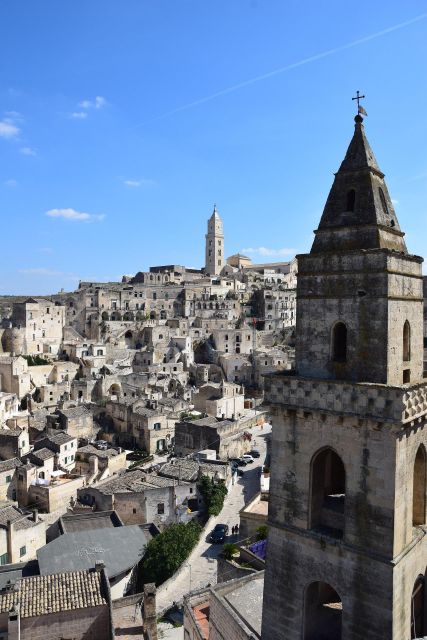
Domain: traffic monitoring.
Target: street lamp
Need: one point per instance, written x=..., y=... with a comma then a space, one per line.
x=187, y=564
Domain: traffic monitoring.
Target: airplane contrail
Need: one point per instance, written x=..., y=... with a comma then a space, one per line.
x=288, y=67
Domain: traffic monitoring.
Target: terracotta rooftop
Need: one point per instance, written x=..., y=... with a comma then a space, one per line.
x=42, y=595
x=201, y=614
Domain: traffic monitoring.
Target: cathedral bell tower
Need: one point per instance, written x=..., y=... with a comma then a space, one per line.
x=214, y=261
x=347, y=545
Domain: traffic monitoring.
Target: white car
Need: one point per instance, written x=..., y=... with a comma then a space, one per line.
x=247, y=458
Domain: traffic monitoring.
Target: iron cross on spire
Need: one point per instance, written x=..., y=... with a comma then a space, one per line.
x=358, y=97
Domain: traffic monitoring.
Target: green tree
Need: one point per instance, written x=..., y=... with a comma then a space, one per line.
x=262, y=532
x=229, y=550
x=166, y=552
x=213, y=494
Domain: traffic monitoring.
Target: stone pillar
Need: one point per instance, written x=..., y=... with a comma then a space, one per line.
x=150, y=618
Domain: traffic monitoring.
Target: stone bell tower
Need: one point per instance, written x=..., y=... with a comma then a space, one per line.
x=347, y=547
x=214, y=261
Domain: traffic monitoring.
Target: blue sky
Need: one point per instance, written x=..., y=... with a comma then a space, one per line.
x=121, y=123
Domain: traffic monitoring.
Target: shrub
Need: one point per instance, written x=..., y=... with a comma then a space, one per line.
x=229, y=549
x=166, y=552
x=213, y=494
x=36, y=360
x=262, y=532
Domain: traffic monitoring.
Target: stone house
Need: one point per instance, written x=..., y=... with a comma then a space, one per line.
x=97, y=465
x=14, y=443
x=228, y=438
x=233, y=341
x=276, y=307
x=21, y=535
x=9, y=406
x=41, y=321
x=139, y=497
x=63, y=445
x=49, y=493
x=14, y=375
x=77, y=422
x=223, y=400
x=237, y=368
x=137, y=425
x=8, y=478
x=67, y=605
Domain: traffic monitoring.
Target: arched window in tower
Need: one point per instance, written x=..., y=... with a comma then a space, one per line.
x=406, y=342
x=327, y=492
x=383, y=201
x=418, y=614
x=322, y=612
x=351, y=200
x=339, y=342
x=419, y=488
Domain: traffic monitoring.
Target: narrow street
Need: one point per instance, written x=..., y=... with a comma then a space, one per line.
x=203, y=568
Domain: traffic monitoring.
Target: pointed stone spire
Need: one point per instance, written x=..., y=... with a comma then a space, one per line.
x=215, y=213
x=359, y=213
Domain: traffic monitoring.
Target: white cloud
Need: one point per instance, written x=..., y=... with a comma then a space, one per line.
x=132, y=183
x=28, y=151
x=8, y=129
x=143, y=182
x=11, y=183
x=98, y=103
x=394, y=201
x=79, y=115
x=13, y=116
x=41, y=271
x=72, y=214
x=265, y=252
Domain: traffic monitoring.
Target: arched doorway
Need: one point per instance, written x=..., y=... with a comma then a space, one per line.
x=419, y=488
x=418, y=603
x=322, y=613
x=327, y=492
x=114, y=391
x=129, y=339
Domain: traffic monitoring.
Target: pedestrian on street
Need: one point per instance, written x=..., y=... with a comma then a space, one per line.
x=233, y=529
x=236, y=529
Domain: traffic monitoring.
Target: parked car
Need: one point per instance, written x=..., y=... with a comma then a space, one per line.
x=248, y=458
x=241, y=462
x=219, y=533
x=255, y=453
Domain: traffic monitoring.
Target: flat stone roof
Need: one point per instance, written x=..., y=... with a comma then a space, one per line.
x=246, y=602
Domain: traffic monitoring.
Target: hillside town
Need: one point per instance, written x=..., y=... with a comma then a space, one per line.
x=116, y=400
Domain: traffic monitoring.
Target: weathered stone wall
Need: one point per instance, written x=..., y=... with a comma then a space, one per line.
x=373, y=293
x=91, y=623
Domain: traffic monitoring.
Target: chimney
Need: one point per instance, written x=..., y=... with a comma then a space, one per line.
x=150, y=619
x=10, y=531
x=35, y=515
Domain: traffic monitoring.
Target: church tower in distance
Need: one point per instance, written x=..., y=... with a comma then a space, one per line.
x=214, y=260
x=347, y=542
